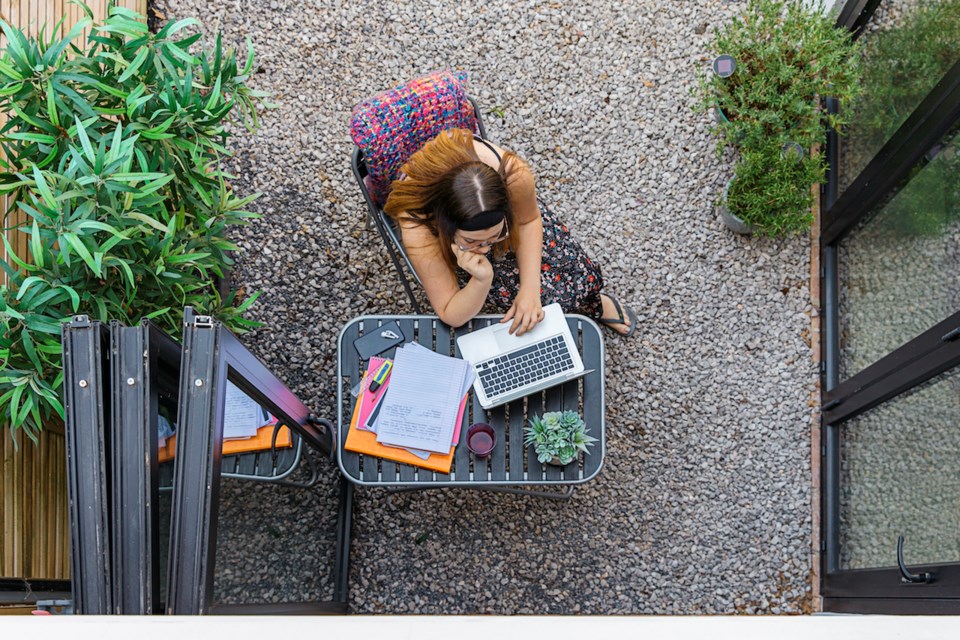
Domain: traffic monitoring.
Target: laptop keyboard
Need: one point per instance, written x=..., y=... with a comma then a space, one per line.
x=525, y=366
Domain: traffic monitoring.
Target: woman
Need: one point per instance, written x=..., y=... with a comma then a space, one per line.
x=471, y=224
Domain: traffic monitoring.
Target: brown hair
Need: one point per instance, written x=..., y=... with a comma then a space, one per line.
x=447, y=185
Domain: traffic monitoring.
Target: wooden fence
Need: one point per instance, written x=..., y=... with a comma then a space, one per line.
x=34, y=534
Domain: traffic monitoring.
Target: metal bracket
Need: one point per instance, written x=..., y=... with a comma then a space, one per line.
x=950, y=337
x=203, y=322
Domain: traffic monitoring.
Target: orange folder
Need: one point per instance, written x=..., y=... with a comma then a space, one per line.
x=260, y=442
x=365, y=442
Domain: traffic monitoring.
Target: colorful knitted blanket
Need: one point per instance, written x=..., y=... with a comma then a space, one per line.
x=393, y=125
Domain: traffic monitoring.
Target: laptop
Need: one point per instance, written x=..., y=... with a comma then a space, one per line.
x=510, y=367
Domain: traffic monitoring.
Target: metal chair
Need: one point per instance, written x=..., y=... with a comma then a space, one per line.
x=387, y=227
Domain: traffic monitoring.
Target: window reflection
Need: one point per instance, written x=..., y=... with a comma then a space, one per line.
x=909, y=46
x=900, y=269
x=900, y=475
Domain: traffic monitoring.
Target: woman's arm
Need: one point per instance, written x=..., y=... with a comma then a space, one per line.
x=527, y=309
x=453, y=305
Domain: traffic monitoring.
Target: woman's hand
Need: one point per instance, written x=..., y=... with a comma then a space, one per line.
x=525, y=312
x=476, y=264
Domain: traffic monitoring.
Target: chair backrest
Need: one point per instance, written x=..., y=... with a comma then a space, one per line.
x=391, y=126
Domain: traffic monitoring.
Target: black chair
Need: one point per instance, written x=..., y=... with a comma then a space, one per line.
x=387, y=227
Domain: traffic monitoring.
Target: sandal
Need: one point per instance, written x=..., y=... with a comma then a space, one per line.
x=620, y=317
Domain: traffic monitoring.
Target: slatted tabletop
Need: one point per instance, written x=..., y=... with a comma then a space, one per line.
x=253, y=465
x=510, y=463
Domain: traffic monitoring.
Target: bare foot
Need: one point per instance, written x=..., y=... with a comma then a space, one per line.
x=610, y=313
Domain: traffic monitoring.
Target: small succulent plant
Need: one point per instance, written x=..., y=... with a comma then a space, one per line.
x=558, y=434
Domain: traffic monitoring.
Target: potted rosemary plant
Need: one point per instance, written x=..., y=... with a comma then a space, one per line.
x=558, y=437
x=778, y=59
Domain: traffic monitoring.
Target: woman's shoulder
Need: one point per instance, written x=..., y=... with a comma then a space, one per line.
x=416, y=235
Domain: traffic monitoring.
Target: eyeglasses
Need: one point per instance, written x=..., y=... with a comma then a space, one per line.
x=471, y=246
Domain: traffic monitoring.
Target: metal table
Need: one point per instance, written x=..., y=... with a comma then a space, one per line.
x=261, y=466
x=511, y=467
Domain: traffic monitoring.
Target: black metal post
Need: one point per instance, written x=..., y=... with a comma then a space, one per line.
x=86, y=407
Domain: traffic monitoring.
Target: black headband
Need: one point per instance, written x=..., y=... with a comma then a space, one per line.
x=483, y=220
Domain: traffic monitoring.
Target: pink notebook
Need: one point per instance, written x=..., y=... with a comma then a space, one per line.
x=369, y=401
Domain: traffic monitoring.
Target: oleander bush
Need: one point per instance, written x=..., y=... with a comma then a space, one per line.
x=112, y=160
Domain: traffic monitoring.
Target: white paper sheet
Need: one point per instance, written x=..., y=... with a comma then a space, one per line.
x=241, y=415
x=421, y=409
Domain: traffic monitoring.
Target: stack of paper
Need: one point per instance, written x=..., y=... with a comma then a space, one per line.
x=246, y=427
x=242, y=416
x=421, y=409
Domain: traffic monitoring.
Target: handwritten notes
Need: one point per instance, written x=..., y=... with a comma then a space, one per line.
x=422, y=407
x=241, y=414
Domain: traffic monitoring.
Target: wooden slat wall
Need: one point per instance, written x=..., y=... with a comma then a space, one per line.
x=34, y=534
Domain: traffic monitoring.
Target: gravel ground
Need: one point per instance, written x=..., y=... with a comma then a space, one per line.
x=704, y=504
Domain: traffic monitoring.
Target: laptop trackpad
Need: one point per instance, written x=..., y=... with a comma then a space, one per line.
x=508, y=342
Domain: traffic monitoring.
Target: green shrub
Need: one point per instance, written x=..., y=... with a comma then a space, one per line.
x=771, y=193
x=113, y=152
x=788, y=55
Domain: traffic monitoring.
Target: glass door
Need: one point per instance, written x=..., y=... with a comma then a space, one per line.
x=890, y=250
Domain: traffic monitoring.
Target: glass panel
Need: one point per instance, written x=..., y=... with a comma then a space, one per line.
x=167, y=420
x=274, y=543
x=908, y=47
x=900, y=269
x=900, y=475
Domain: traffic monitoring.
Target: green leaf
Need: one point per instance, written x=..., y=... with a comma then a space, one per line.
x=134, y=65
x=146, y=220
x=11, y=254
x=10, y=72
x=27, y=283
x=173, y=27
x=39, y=124
x=249, y=301
x=157, y=313
x=74, y=296
x=177, y=52
x=52, y=104
x=85, y=141
x=214, y=94
x=44, y=189
x=83, y=252
x=30, y=350
x=15, y=402
x=36, y=246
x=102, y=314
x=82, y=225
x=111, y=261
x=248, y=66
x=186, y=257
x=41, y=138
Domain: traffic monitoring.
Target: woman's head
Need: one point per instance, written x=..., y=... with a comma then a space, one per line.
x=461, y=199
x=471, y=207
